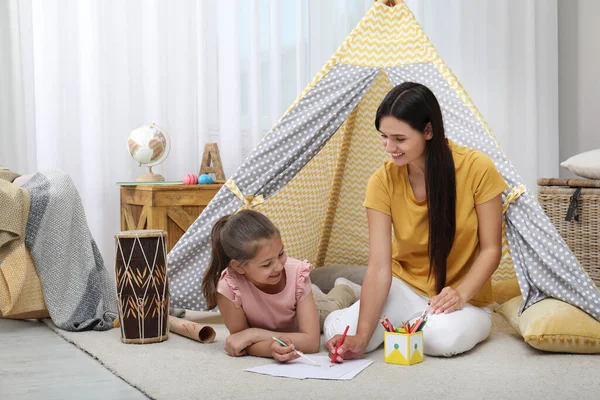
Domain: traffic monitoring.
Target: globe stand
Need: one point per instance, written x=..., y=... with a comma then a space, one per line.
x=150, y=177
x=149, y=145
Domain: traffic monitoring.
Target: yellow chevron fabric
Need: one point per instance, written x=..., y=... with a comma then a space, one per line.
x=512, y=197
x=387, y=37
x=349, y=242
x=299, y=209
x=384, y=37
x=247, y=201
x=506, y=269
x=346, y=132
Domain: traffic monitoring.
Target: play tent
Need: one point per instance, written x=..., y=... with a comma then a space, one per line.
x=309, y=173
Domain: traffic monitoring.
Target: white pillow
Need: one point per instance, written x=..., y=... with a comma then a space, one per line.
x=21, y=180
x=586, y=165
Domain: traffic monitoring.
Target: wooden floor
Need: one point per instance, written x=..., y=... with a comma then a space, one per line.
x=35, y=363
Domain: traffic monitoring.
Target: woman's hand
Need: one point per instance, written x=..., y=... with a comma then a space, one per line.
x=235, y=345
x=447, y=301
x=353, y=347
x=282, y=353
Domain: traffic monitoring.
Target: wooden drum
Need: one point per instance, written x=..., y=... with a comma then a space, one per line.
x=142, y=285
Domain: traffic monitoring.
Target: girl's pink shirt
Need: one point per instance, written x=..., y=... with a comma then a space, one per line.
x=274, y=312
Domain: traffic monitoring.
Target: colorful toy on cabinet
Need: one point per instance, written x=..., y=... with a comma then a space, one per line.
x=205, y=179
x=190, y=179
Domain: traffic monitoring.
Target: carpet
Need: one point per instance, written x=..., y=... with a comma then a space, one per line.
x=502, y=367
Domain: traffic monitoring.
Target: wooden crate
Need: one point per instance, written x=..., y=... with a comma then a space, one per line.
x=582, y=235
x=172, y=208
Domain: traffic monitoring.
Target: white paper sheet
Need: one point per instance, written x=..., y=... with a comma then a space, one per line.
x=299, y=369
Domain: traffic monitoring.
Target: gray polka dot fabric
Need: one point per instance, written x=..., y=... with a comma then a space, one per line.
x=288, y=147
x=544, y=265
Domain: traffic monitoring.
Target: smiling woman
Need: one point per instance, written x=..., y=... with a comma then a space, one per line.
x=444, y=204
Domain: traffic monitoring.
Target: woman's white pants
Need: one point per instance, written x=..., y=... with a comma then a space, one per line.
x=444, y=334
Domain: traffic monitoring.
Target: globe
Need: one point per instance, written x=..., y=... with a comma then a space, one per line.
x=149, y=145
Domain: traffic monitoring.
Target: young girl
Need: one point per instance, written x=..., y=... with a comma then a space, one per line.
x=262, y=293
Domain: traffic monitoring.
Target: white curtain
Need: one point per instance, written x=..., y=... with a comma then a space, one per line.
x=78, y=75
x=505, y=54
x=14, y=150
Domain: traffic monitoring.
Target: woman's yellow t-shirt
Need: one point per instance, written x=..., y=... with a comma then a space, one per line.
x=389, y=191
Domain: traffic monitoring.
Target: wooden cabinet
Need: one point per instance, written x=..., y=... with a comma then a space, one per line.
x=172, y=208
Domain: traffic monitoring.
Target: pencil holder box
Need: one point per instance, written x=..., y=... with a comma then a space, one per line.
x=403, y=348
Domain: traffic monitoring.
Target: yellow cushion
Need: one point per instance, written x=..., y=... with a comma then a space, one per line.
x=505, y=290
x=553, y=325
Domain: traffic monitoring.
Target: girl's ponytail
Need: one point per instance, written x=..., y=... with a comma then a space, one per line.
x=218, y=262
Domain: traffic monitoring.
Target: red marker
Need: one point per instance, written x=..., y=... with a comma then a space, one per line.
x=392, y=329
x=339, y=344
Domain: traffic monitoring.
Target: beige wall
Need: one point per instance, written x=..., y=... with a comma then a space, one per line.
x=579, y=77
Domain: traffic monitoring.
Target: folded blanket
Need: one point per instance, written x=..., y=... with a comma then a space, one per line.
x=20, y=287
x=78, y=290
x=14, y=204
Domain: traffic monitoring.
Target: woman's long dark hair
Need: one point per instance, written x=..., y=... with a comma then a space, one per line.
x=416, y=105
x=234, y=237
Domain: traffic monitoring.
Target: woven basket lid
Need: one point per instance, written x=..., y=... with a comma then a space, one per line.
x=576, y=182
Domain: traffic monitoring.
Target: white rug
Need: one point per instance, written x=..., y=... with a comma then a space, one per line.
x=503, y=367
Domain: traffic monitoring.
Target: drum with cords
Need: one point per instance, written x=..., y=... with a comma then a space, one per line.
x=142, y=285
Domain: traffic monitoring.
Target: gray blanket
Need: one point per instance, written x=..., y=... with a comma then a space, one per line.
x=79, y=292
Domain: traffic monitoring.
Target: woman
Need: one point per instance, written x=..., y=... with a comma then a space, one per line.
x=445, y=206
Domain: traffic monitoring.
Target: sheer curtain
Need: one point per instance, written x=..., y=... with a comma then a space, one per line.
x=505, y=54
x=81, y=74
x=13, y=142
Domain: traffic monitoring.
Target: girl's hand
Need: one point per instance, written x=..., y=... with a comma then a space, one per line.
x=284, y=354
x=235, y=345
x=353, y=347
x=447, y=301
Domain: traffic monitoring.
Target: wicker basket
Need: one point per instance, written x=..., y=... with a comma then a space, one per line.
x=582, y=235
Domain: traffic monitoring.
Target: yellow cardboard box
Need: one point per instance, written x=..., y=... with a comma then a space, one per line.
x=403, y=348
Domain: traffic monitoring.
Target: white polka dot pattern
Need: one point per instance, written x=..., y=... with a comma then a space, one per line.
x=544, y=265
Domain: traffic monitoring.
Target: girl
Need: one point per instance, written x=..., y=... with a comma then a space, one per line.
x=445, y=206
x=262, y=293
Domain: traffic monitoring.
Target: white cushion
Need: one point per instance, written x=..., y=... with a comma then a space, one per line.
x=586, y=165
x=21, y=180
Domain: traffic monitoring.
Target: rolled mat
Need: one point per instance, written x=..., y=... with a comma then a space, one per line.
x=192, y=330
